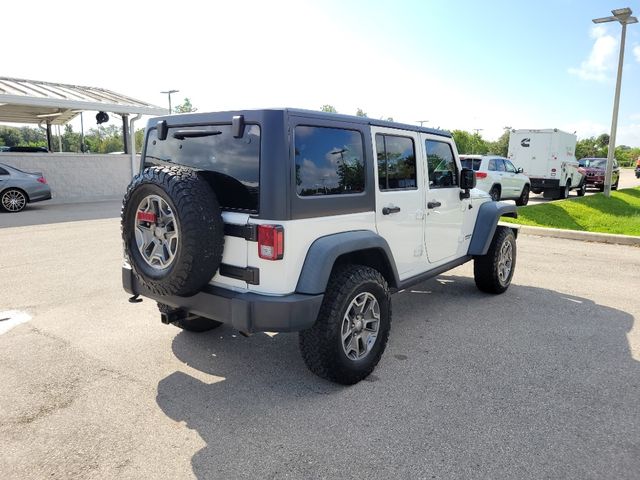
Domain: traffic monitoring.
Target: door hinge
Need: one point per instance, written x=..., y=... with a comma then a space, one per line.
x=251, y=275
x=247, y=231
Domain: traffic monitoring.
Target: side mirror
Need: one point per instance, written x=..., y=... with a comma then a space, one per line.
x=467, y=182
x=520, y=170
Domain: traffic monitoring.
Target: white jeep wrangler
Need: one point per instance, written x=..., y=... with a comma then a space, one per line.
x=290, y=220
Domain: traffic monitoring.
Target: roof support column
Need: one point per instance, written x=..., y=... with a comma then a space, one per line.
x=49, y=139
x=125, y=132
x=135, y=166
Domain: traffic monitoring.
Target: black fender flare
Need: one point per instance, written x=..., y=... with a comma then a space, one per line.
x=489, y=214
x=324, y=252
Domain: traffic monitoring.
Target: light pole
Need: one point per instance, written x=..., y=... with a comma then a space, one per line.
x=169, y=92
x=622, y=15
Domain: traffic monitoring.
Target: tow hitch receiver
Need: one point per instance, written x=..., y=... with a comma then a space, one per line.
x=171, y=315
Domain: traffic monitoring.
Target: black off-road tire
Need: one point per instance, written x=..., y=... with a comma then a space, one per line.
x=321, y=345
x=200, y=229
x=523, y=199
x=494, y=193
x=486, y=268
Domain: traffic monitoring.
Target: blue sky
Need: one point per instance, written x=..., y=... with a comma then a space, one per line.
x=457, y=64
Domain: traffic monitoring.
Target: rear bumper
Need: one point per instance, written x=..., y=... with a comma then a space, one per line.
x=544, y=183
x=41, y=197
x=247, y=312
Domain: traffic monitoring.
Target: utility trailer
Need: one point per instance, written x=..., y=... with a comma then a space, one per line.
x=547, y=157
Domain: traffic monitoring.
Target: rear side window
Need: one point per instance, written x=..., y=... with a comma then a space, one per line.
x=441, y=163
x=329, y=161
x=3, y=171
x=230, y=165
x=396, y=162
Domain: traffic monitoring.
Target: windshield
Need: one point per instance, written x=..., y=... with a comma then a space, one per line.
x=593, y=163
x=231, y=165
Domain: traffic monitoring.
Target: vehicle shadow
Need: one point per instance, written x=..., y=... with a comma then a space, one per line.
x=532, y=383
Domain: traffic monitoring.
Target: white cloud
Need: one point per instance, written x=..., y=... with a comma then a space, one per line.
x=636, y=53
x=601, y=61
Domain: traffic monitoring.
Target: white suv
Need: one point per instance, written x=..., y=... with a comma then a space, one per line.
x=290, y=220
x=499, y=177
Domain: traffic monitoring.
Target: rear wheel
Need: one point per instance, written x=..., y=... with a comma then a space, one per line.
x=564, y=192
x=493, y=272
x=351, y=332
x=13, y=200
x=615, y=185
x=582, y=189
x=494, y=193
x=523, y=199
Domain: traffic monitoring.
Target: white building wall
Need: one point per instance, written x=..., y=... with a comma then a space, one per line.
x=75, y=177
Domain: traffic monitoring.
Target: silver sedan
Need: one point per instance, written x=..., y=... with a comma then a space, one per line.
x=17, y=188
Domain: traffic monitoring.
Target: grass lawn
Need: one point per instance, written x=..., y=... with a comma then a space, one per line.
x=618, y=214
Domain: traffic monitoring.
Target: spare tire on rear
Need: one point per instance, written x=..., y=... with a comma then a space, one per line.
x=172, y=230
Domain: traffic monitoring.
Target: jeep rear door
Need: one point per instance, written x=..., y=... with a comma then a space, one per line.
x=399, y=197
x=443, y=222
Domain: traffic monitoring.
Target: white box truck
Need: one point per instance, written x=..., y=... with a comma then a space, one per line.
x=547, y=157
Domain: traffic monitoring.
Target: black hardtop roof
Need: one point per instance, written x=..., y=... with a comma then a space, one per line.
x=204, y=116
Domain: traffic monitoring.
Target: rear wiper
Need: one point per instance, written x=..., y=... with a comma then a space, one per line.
x=182, y=134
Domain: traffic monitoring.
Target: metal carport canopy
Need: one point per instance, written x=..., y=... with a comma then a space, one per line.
x=31, y=101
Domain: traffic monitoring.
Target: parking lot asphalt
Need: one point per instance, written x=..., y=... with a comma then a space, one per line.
x=541, y=382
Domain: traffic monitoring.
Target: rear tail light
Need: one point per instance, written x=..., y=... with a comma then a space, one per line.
x=270, y=242
x=42, y=180
x=481, y=174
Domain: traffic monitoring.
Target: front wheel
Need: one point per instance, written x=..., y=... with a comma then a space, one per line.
x=523, y=199
x=582, y=189
x=493, y=272
x=351, y=332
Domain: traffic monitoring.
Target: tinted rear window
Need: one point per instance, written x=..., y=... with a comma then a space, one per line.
x=472, y=163
x=231, y=165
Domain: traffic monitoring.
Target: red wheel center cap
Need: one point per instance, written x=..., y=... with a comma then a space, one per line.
x=146, y=217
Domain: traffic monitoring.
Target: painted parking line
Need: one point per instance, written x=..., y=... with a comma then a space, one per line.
x=12, y=318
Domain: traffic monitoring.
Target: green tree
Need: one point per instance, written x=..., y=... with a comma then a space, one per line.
x=500, y=146
x=470, y=143
x=361, y=113
x=185, y=107
x=328, y=108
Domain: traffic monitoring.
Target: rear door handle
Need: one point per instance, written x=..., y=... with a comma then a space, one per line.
x=388, y=210
x=434, y=204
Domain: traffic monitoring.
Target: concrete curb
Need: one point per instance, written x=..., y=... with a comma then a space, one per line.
x=576, y=235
